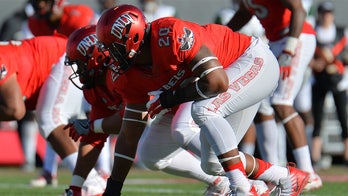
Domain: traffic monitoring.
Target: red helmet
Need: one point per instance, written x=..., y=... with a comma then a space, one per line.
x=84, y=58
x=121, y=31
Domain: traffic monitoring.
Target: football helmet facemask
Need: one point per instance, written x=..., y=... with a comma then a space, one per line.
x=121, y=31
x=82, y=55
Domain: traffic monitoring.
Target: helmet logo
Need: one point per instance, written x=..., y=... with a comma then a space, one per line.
x=86, y=43
x=119, y=25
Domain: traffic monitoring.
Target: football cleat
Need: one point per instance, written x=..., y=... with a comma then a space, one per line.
x=70, y=192
x=261, y=187
x=94, y=186
x=314, y=182
x=294, y=183
x=236, y=192
x=220, y=186
x=44, y=180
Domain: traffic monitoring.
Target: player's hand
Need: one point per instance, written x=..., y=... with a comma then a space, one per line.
x=77, y=128
x=284, y=60
x=286, y=56
x=154, y=106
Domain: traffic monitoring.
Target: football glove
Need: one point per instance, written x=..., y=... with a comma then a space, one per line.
x=285, y=57
x=78, y=128
x=285, y=65
x=154, y=106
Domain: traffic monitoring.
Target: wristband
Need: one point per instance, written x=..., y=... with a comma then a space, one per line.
x=290, y=45
x=168, y=99
x=77, y=181
x=97, y=124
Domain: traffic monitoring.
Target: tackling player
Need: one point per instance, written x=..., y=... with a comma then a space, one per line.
x=224, y=73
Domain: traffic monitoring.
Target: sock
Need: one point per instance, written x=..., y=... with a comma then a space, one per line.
x=237, y=177
x=269, y=173
x=303, y=159
x=248, y=148
x=50, y=161
x=70, y=161
x=113, y=188
x=28, y=137
x=281, y=145
x=267, y=133
x=77, y=181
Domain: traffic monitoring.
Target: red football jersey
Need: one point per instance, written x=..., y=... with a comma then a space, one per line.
x=74, y=17
x=274, y=17
x=104, y=102
x=133, y=86
x=175, y=42
x=31, y=60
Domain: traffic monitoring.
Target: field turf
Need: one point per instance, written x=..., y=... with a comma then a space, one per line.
x=15, y=182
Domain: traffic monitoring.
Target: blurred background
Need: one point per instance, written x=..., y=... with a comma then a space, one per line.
x=200, y=11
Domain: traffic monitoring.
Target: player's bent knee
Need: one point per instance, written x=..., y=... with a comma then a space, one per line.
x=200, y=113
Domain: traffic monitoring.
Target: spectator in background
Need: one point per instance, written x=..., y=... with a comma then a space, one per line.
x=154, y=9
x=329, y=66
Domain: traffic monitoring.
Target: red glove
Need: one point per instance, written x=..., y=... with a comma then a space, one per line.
x=78, y=128
x=154, y=106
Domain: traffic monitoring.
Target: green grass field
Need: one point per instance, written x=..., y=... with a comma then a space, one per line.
x=14, y=182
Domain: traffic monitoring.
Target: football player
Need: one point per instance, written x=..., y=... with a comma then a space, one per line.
x=292, y=41
x=58, y=16
x=158, y=150
x=25, y=66
x=225, y=74
x=89, y=75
